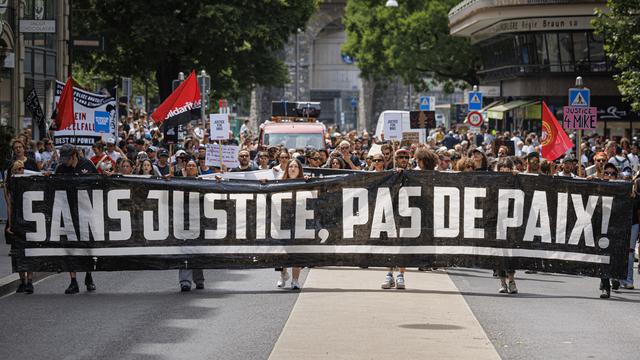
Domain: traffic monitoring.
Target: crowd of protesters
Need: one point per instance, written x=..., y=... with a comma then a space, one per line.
x=141, y=149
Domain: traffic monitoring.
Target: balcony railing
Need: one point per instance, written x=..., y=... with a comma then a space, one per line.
x=466, y=7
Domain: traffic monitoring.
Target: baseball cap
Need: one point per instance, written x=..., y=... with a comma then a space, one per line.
x=151, y=149
x=65, y=152
x=163, y=152
x=142, y=156
x=402, y=151
x=111, y=141
x=180, y=153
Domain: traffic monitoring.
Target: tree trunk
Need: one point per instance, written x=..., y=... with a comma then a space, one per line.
x=165, y=74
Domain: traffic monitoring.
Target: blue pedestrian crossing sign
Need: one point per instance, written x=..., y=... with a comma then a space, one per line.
x=427, y=103
x=475, y=100
x=579, y=97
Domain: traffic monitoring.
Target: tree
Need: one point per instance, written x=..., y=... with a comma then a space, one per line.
x=236, y=41
x=411, y=41
x=620, y=27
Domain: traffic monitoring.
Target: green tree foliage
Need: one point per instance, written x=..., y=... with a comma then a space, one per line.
x=236, y=41
x=411, y=41
x=620, y=26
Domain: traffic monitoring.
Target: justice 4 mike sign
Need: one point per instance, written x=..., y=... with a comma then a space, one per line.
x=411, y=218
x=95, y=118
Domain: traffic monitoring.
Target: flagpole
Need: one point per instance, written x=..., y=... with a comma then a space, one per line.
x=580, y=85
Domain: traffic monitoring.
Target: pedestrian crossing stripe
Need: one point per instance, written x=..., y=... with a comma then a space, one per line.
x=579, y=100
x=475, y=99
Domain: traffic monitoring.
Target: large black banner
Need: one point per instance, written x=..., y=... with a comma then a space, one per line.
x=411, y=218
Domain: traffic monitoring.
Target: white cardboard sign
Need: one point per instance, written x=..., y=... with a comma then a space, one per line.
x=219, y=126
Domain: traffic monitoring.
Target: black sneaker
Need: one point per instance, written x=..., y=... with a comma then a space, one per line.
x=615, y=285
x=185, y=288
x=200, y=286
x=88, y=282
x=28, y=289
x=21, y=288
x=73, y=288
x=606, y=293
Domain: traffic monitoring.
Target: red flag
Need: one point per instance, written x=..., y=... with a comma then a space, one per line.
x=176, y=109
x=555, y=141
x=64, y=110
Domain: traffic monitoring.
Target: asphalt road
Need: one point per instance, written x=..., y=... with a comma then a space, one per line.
x=143, y=315
x=553, y=316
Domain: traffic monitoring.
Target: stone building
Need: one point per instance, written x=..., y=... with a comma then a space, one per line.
x=319, y=71
x=33, y=54
x=533, y=50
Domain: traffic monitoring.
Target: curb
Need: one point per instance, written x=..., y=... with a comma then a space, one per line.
x=9, y=284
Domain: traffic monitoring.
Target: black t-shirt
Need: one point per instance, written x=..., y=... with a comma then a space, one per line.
x=83, y=167
x=164, y=170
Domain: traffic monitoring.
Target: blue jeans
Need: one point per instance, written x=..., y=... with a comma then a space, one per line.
x=632, y=249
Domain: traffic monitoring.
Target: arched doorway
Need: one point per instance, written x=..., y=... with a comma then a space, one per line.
x=335, y=79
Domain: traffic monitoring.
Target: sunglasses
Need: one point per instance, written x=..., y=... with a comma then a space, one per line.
x=378, y=160
x=601, y=160
x=611, y=173
x=243, y=156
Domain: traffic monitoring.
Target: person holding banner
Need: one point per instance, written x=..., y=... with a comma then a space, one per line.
x=293, y=171
x=72, y=164
x=506, y=274
x=610, y=172
x=187, y=276
x=26, y=278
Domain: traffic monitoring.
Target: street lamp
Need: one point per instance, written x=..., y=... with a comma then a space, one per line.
x=391, y=3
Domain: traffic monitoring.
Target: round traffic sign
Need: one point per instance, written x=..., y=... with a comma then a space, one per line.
x=475, y=118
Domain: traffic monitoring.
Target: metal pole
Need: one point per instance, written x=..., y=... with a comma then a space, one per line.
x=580, y=85
x=409, y=97
x=202, y=95
x=297, y=81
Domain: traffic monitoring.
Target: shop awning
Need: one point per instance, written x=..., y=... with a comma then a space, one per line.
x=497, y=112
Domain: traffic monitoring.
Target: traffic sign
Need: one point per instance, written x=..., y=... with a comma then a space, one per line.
x=579, y=97
x=475, y=119
x=475, y=100
x=427, y=103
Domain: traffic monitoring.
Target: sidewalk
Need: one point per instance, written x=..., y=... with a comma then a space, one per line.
x=343, y=314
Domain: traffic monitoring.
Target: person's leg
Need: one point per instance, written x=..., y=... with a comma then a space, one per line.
x=284, y=276
x=400, y=279
x=185, y=277
x=73, y=286
x=502, y=275
x=511, y=284
x=605, y=287
x=88, y=282
x=632, y=249
x=23, y=282
x=295, y=273
x=198, y=278
x=28, y=288
x=389, y=282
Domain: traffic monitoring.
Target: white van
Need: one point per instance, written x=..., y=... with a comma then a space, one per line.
x=406, y=125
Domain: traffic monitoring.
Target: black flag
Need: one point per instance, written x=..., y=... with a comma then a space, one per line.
x=33, y=104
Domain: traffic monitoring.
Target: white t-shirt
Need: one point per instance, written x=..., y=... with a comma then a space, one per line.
x=114, y=155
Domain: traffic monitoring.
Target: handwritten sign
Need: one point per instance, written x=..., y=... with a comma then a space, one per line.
x=580, y=118
x=229, y=155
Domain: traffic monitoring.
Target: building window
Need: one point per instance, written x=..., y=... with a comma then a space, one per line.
x=566, y=52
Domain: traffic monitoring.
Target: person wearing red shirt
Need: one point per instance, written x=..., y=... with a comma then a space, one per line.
x=103, y=162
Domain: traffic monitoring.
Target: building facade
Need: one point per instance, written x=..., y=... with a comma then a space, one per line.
x=34, y=41
x=533, y=50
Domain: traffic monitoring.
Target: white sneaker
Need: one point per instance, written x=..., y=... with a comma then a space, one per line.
x=400, y=282
x=283, y=280
x=503, y=287
x=388, y=282
x=295, y=285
